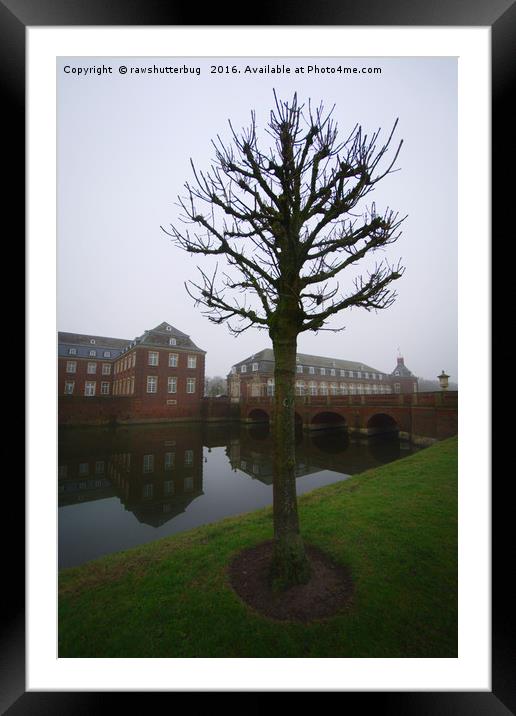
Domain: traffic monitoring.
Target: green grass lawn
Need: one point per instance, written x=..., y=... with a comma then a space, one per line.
x=394, y=526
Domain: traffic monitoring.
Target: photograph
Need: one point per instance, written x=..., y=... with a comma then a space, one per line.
x=257, y=357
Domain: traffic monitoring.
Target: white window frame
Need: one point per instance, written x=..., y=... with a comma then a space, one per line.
x=91, y=369
x=104, y=388
x=190, y=386
x=69, y=383
x=148, y=464
x=152, y=384
x=311, y=370
x=90, y=388
x=173, y=360
x=153, y=358
x=323, y=371
x=172, y=341
x=254, y=367
x=192, y=362
x=69, y=364
x=299, y=368
x=106, y=368
x=93, y=354
x=72, y=351
x=172, y=384
x=243, y=369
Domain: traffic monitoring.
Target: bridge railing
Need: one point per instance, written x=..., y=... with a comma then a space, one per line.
x=434, y=399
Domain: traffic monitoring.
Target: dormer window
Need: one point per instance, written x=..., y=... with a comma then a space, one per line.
x=92, y=341
x=169, y=328
x=396, y=372
x=72, y=351
x=172, y=341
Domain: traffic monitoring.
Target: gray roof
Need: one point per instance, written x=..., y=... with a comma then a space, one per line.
x=267, y=355
x=83, y=344
x=159, y=337
x=403, y=371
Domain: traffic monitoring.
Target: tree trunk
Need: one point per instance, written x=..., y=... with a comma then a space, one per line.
x=290, y=565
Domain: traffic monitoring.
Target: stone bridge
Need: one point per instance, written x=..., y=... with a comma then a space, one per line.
x=419, y=417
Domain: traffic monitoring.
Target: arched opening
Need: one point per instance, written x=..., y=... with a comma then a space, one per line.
x=382, y=424
x=258, y=416
x=328, y=420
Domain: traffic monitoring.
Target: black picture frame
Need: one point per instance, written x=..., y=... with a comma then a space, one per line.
x=15, y=17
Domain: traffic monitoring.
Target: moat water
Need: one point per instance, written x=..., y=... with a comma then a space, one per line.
x=122, y=487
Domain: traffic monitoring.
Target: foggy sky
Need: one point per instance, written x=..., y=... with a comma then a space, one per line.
x=124, y=149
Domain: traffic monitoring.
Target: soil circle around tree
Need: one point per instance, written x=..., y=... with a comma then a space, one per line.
x=328, y=593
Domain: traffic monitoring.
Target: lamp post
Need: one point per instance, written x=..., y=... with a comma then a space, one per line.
x=443, y=380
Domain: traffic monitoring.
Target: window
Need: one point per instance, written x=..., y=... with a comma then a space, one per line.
x=89, y=388
x=84, y=468
x=396, y=372
x=299, y=368
x=170, y=458
x=323, y=388
x=190, y=385
x=148, y=463
x=311, y=370
x=397, y=388
x=359, y=389
x=312, y=387
x=172, y=360
x=270, y=386
x=132, y=385
x=359, y=374
x=153, y=358
x=192, y=361
x=188, y=484
x=334, y=389
x=188, y=457
x=254, y=367
x=71, y=366
x=300, y=387
x=134, y=359
x=92, y=341
x=148, y=491
x=99, y=467
x=72, y=351
x=106, y=369
x=332, y=371
x=69, y=386
x=168, y=487
x=342, y=373
x=152, y=384
x=323, y=371
x=92, y=368
x=243, y=369
x=343, y=389
x=104, y=388
x=93, y=354
x=172, y=384
x=172, y=342
x=63, y=470
x=107, y=354
x=233, y=370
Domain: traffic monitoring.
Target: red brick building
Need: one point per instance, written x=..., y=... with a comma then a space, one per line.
x=316, y=375
x=157, y=376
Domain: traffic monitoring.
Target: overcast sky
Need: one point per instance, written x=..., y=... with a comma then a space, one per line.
x=124, y=148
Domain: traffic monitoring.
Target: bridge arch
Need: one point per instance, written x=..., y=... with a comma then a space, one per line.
x=327, y=419
x=382, y=424
x=257, y=415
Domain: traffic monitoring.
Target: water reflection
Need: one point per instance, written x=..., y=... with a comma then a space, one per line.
x=121, y=487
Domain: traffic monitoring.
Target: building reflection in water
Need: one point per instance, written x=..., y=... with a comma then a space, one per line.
x=158, y=472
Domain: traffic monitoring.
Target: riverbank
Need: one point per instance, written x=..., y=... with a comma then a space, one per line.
x=394, y=527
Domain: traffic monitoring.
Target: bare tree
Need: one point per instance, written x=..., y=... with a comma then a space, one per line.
x=287, y=221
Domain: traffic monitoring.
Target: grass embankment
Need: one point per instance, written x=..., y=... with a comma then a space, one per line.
x=394, y=526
